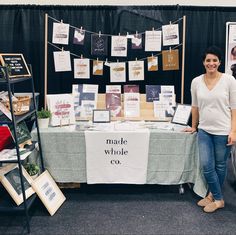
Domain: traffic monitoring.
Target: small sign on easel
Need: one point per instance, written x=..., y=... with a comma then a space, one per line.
x=17, y=65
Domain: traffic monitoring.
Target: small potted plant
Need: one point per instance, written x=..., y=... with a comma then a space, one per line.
x=43, y=118
x=32, y=169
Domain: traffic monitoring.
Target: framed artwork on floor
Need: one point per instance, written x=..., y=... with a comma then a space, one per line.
x=48, y=191
x=11, y=181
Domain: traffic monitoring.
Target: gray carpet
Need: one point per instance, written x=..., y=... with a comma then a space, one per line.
x=128, y=209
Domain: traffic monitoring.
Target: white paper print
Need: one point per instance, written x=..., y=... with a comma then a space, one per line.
x=62, y=109
x=153, y=40
x=87, y=107
x=97, y=67
x=79, y=36
x=60, y=33
x=62, y=61
x=232, y=34
x=170, y=34
x=81, y=68
x=113, y=88
x=119, y=46
x=117, y=72
x=132, y=104
x=152, y=63
x=136, y=41
x=160, y=109
x=136, y=70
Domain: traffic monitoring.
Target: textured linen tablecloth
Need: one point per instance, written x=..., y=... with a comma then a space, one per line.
x=173, y=157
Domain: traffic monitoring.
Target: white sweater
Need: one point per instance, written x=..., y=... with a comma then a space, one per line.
x=214, y=105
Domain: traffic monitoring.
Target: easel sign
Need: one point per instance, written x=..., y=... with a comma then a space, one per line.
x=182, y=114
x=17, y=64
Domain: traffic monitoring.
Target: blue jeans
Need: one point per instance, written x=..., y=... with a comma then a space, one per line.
x=213, y=153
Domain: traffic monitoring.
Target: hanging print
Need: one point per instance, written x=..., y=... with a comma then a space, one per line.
x=136, y=70
x=81, y=68
x=119, y=46
x=60, y=33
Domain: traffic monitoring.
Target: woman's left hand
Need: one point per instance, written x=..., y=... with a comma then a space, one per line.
x=232, y=138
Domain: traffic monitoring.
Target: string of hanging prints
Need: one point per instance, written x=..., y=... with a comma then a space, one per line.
x=154, y=39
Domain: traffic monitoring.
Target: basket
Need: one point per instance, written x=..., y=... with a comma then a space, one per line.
x=20, y=106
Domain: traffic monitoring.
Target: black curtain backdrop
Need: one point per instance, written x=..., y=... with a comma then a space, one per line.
x=22, y=31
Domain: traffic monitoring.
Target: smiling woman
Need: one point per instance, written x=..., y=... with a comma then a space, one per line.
x=214, y=114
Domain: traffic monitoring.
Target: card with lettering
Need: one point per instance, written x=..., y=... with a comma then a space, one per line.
x=97, y=67
x=152, y=63
x=60, y=33
x=170, y=34
x=153, y=40
x=99, y=44
x=62, y=61
x=117, y=72
x=136, y=70
x=81, y=68
x=79, y=37
x=152, y=92
x=170, y=59
x=113, y=103
x=136, y=41
x=113, y=88
x=131, y=88
x=119, y=46
x=62, y=109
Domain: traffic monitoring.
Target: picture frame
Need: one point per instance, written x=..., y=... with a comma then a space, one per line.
x=11, y=181
x=101, y=116
x=48, y=191
x=182, y=114
x=17, y=64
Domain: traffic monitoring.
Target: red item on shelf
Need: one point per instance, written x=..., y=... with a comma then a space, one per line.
x=6, y=140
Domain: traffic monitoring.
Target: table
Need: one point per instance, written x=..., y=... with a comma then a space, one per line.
x=172, y=159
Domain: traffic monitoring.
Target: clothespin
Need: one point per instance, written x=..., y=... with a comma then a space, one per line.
x=81, y=56
x=136, y=33
x=170, y=22
x=99, y=34
x=62, y=49
x=81, y=29
x=127, y=34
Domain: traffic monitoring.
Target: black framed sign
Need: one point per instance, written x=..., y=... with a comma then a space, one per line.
x=182, y=114
x=101, y=115
x=16, y=64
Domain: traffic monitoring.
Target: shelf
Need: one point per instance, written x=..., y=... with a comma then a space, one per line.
x=5, y=120
x=8, y=205
x=25, y=155
x=14, y=80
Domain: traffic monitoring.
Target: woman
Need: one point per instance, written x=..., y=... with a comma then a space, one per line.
x=214, y=114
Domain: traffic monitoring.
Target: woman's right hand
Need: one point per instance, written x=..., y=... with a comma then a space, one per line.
x=190, y=129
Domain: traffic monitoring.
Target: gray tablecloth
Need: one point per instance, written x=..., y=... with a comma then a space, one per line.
x=173, y=157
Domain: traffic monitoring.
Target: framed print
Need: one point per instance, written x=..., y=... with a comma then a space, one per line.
x=11, y=181
x=101, y=115
x=48, y=191
x=17, y=64
x=181, y=114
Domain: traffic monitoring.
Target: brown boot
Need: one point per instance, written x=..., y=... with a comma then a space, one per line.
x=214, y=206
x=205, y=201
